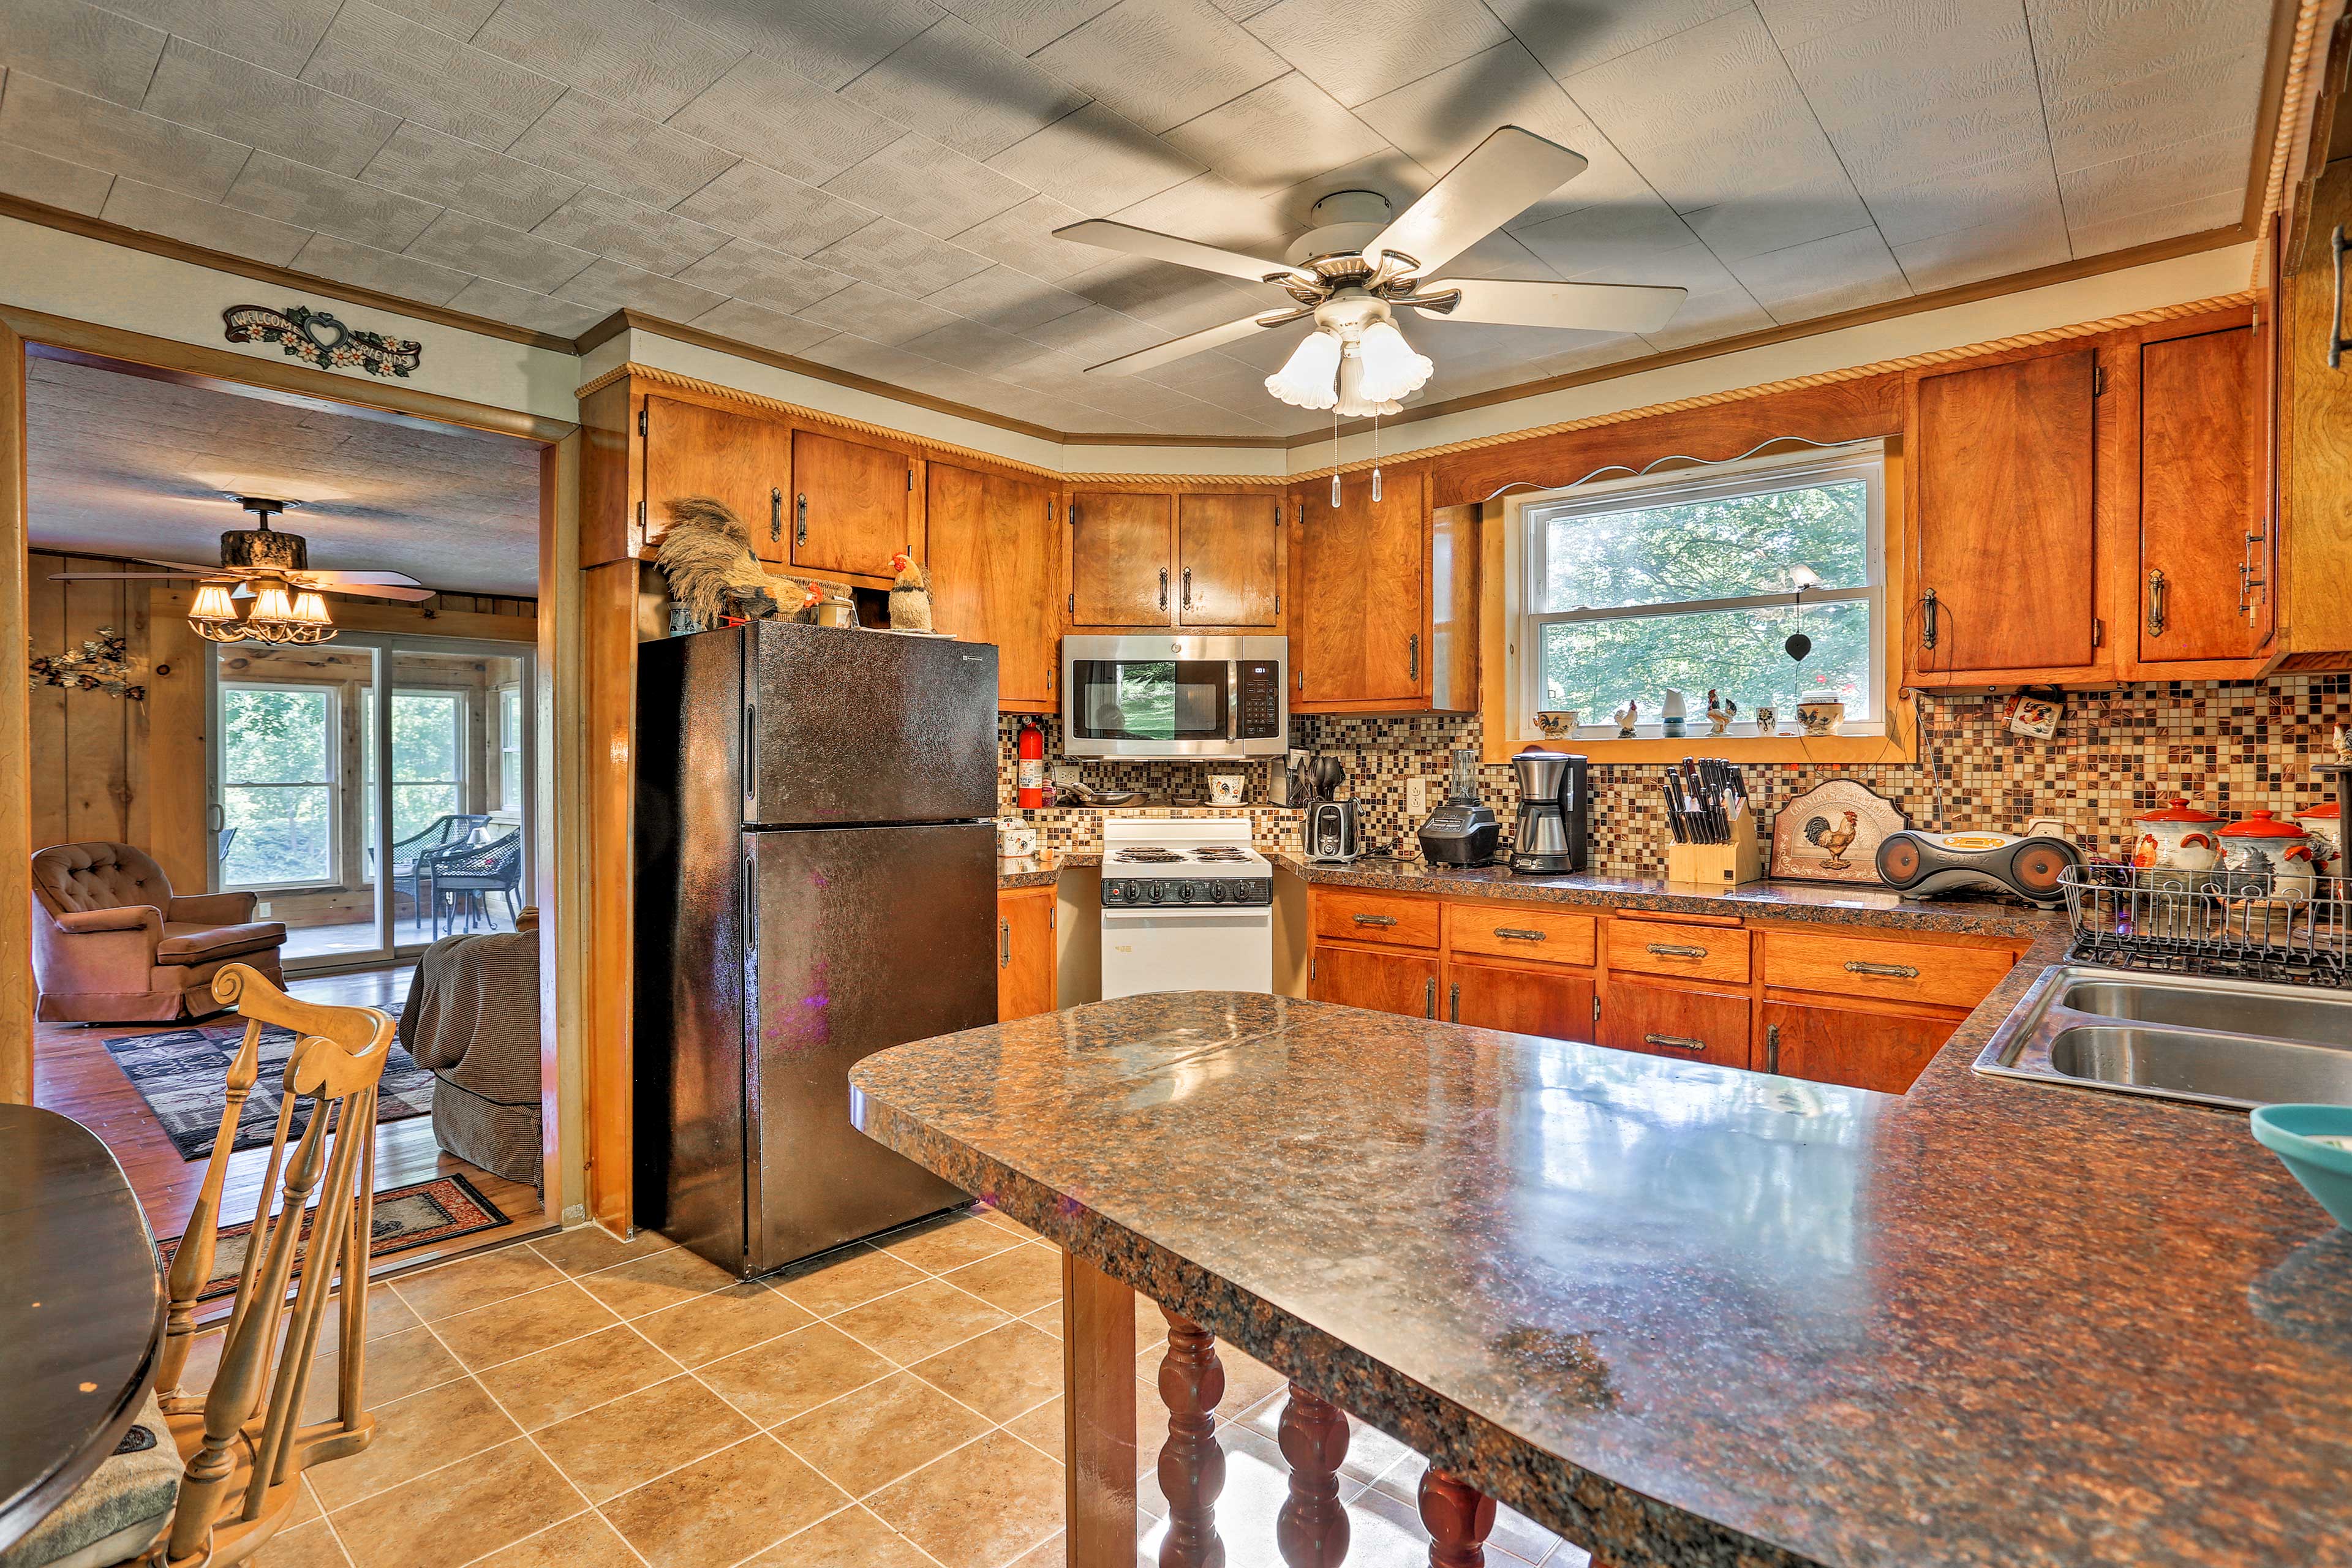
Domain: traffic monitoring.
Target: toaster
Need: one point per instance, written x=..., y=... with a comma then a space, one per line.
x=1332, y=831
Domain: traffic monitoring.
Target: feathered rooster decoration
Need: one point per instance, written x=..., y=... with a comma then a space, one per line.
x=910, y=594
x=706, y=553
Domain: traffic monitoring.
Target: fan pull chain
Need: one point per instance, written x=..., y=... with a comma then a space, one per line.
x=1335, y=456
x=1376, y=456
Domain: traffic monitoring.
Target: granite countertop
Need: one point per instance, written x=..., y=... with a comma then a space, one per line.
x=1691, y=1315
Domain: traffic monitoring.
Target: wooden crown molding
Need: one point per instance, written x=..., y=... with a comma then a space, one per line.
x=2283, y=128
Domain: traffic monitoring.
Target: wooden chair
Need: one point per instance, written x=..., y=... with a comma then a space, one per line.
x=243, y=1443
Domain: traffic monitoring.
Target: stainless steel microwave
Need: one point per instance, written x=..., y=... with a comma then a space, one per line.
x=1175, y=697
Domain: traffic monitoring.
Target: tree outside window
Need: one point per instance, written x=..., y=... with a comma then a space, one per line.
x=277, y=783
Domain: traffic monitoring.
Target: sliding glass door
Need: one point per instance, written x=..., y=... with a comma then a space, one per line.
x=368, y=863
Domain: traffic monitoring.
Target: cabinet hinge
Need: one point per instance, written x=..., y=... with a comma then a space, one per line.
x=1074, y=604
x=1596, y=1009
x=1302, y=514
x=1070, y=514
x=640, y=517
x=641, y=422
x=910, y=481
x=1277, y=604
x=2098, y=633
x=1310, y=969
x=2099, y=380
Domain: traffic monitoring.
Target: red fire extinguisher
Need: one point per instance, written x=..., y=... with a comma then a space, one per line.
x=1031, y=772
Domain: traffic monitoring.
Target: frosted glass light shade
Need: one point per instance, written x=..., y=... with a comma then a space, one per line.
x=1353, y=404
x=1307, y=379
x=1391, y=369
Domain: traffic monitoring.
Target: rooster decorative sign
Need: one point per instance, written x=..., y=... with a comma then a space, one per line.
x=1832, y=833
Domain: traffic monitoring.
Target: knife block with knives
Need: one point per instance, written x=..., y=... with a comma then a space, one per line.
x=1714, y=828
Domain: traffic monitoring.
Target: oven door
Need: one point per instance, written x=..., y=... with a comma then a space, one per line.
x=1174, y=697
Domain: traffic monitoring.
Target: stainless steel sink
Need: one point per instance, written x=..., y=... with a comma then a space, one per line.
x=2213, y=1042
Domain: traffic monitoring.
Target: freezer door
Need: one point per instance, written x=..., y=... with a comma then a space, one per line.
x=850, y=726
x=865, y=937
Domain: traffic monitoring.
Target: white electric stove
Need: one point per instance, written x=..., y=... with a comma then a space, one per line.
x=1187, y=905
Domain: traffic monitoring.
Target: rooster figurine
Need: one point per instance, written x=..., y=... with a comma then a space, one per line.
x=910, y=594
x=1834, y=842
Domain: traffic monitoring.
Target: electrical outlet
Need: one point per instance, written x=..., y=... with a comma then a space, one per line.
x=261, y=909
x=1416, y=797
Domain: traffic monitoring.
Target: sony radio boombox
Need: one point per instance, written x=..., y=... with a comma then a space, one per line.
x=1922, y=864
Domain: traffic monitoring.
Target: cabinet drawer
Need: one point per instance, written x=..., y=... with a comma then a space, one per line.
x=1404, y=984
x=1841, y=966
x=1661, y=947
x=1684, y=1026
x=1518, y=932
x=1342, y=915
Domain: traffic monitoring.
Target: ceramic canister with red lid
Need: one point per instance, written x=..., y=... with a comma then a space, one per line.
x=2265, y=857
x=2175, y=837
x=2324, y=824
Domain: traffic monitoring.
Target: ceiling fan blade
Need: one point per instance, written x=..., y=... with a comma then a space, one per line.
x=1496, y=181
x=378, y=591
x=122, y=577
x=1192, y=344
x=1168, y=247
x=1575, y=307
x=338, y=580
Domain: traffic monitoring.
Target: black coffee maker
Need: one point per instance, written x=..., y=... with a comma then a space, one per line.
x=1554, y=813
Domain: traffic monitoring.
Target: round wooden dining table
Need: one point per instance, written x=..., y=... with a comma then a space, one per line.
x=81, y=1310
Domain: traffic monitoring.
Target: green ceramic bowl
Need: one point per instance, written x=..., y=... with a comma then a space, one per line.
x=2292, y=1132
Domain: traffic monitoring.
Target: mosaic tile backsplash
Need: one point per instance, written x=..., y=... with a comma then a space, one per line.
x=2230, y=747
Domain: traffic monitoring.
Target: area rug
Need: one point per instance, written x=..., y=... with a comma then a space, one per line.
x=183, y=1075
x=417, y=1215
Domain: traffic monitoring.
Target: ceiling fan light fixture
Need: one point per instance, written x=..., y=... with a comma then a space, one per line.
x=1309, y=377
x=1390, y=368
x=1354, y=403
x=214, y=615
x=310, y=618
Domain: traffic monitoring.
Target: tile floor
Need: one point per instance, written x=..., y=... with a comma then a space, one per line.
x=588, y=1403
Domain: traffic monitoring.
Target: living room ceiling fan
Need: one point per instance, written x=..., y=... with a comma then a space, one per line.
x=1360, y=266
x=272, y=569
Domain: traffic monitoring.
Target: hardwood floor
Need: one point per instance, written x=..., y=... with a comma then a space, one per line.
x=74, y=1076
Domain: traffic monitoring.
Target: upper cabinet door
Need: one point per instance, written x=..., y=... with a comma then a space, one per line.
x=1119, y=555
x=2200, y=495
x=2005, y=517
x=852, y=505
x=1228, y=560
x=742, y=459
x=992, y=568
x=1360, y=613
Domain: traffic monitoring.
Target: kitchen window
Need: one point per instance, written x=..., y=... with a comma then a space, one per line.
x=278, y=785
x=1684, y=582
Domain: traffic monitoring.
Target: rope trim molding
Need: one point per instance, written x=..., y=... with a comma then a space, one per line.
x=2293, y=105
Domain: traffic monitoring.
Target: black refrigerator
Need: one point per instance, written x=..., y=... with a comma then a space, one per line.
x=815, y=881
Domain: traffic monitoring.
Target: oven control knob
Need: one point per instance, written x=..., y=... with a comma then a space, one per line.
x=1110, y=891
x=1216, y=892
x=1184, y=892
x=1156, y=892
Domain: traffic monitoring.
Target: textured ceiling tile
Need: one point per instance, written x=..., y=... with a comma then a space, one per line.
x=81, y=47
x=1050, y=373
x=156, y=210
x=1924, y=89
x=1007, y=299
x=2017, y=243
x=1024, y=27
x=761, y=327
x=369, y=267
x=623, y=50
x=765, y=278
x=585, y=138
x=609, y=285
x=421, y=162
x=630, y=231
x=827, y=41
x=1095, y=161
x=958, y=86
x=1501, y=255
x=1356, y=49
x=1273, y=136
x=919, y=182
x=2087, y=45
x=1619, y=234
x=968, y=345
x=1598, y=349
x=776, y=116
x=1391, y=174
x=866, y=357
x=1161, y=62
x=1176, y=298
x=875, y=315
x=2178, y=104
x=459, y=18
x=1095, y=334
x=1723, y=313
x=1824, y=276
x=887, y=253
x=1985, y=195
x=1694, y=267
x=1571, y=38
x=1733, y=120
x=2160, y=177
x=777, y=210
x=1022, y=238
x=523, y=307
x=232, y=97
x=1215, y=211
x=1751, y=224
x=1796, y=23
x=503, y=255
x=380, y=57
x=2139, y=227
x=310, y=198
x=279, y=34
x=52, y=181
x=73, y=125
x=1213, y=378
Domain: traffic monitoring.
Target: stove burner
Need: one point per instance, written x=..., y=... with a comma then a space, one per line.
x=1220, y=852
x=1148, y=854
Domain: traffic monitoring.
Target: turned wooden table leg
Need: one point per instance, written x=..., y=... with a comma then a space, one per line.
x=1099, y=1415
x=1312, y=1528
x=1458, y=1517
x=1191, y=1464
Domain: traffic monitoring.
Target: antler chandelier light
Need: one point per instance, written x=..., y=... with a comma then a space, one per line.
x=279, y=614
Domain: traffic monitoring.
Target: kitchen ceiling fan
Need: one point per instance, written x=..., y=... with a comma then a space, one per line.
x=272, y=569
x=1360, y=266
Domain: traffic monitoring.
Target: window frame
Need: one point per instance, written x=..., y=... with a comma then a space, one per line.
x=1530, y=515
x=224, y=687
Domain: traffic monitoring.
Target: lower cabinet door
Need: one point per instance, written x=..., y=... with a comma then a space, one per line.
x=1850, y=1046
x=1523, y=1001
x=1384, y=982
x=1675, y=1021
x=1024, y=953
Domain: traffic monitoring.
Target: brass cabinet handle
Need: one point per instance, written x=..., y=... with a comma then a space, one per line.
x=1413, y=653
x=1513, y=933
x=1889, y=971
x=1454, y=1003
x=1772, y=1047
x=1163, y=587
x=1927, y=619
x=1003, y=945
x=799, y=523
x=1188, y=587
x=1673, y=949
x=1374, y=920
x=2156, y=601
x=1679, y=1042
x=1429, y=997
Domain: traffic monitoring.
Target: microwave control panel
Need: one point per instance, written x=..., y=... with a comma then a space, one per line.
x=1261, y=684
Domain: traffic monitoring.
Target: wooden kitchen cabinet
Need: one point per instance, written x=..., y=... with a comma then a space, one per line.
x=1860, y=1045
x=740, y=459
x=992, y=571
x=1399, y=983
x=1385, y=598
x=854, y=505
x=1556, y=1003
x=2005, y=523
x=1229, y=559
x=1119, y=554
x=2203, y=499
x=1025, y=951
x=1681, y=1022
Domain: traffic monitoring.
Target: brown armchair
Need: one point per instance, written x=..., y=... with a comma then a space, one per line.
x=113, y=944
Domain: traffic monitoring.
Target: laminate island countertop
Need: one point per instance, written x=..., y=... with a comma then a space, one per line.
x=1692, y=1315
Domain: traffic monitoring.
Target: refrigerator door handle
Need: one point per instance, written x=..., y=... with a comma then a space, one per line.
x=750, y=911
x=750, y=762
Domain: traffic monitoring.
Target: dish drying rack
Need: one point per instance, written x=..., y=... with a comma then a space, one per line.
x=2230, y=924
